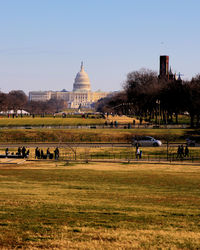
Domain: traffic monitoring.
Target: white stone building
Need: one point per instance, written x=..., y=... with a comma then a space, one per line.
x=40, y=96
x=81, y=96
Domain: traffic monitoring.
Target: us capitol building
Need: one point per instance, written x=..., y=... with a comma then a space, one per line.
x=81, y=96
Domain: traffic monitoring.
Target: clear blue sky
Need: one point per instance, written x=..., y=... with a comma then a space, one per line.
x=44, y=41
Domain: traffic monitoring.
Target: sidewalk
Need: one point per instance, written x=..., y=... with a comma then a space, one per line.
x=139, y=161
x=11, y=161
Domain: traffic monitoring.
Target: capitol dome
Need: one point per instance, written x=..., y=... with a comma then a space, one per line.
x=82, y=81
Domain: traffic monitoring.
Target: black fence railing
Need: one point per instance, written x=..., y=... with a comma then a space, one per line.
x=128, y=156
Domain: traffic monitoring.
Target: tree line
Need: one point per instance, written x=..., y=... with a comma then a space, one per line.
x=18, y=100
x=146, y=95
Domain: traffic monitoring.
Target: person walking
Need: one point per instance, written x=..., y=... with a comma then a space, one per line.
x=48, y=153
x=137, y=153
x=186, y=151
x=56, y=153
x=178, y=152
x=36, y=152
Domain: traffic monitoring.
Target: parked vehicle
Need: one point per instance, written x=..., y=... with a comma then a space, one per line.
x=193, y=141
x=146, y=141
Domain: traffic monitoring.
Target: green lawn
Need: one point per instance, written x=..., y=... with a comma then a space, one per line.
x=104, y=206
x=48, y=121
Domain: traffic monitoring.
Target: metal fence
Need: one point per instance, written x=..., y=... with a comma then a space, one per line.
x=127, y=156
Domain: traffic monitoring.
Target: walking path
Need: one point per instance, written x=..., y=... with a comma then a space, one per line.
x=11, y=161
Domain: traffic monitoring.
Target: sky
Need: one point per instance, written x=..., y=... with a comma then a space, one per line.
x=43, y=42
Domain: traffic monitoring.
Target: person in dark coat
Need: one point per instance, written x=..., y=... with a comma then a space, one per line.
x=19, y=151
x=37, y=153
x=48, y=153
x=6, y=152
x=186, y=151
x=42, y=154
x=23, y=152
x=56, y=153
x=179, y=152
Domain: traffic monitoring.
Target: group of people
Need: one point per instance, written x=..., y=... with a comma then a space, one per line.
x=21, y=152
x=39, y=154
x=115, y=123
x=182, y=152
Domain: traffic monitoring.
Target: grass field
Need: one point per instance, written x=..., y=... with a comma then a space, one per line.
x=72, y=120
x=99, y=206
x=48, y=121
x=91, y=135
x=59, y=121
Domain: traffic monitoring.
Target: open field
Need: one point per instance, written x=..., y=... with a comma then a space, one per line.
x=73, y=120
x=91, y=135
x=48, y=121
x=59, y=121
x=99, y=206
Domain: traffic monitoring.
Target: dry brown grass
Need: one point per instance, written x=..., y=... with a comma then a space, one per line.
x=127, y=239
x=122, y=119
x=51, y=205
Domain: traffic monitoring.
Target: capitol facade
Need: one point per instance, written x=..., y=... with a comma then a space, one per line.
x=81, y=96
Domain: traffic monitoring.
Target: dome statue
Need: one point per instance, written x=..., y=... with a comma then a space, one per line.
x=82, y=81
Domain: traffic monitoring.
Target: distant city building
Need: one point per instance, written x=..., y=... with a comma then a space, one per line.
x=165, y=72
x=164, y=67
x=81, y=96
x=40, y=95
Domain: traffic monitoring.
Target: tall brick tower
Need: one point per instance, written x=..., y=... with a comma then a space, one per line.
x=164, y=67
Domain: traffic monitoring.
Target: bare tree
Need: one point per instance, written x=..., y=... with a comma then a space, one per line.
x=3, y=101
x=17, y=99
x=142, y=88
x=193, y=99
